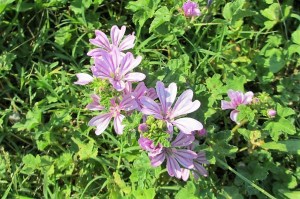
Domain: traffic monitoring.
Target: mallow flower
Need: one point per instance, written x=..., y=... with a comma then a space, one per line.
x=139, y=91
x=191, y=9
x=101, y=121
x=116, y=36
x=176, y=155
x=163, y=111
x=236, y=98
x=117, y=68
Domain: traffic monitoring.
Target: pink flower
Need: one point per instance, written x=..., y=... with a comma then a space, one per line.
x=101, y=121
x=83, y=79
x=236, y=98
x=139, y=91
x=163, y=111
x=271, y=113
x=191, y=9
x=95, y=105
x=116, y=68
x=149, y=146
x=176, y=157
x=116, y=36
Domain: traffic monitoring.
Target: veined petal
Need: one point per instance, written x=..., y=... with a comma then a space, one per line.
x=200, y=169
x=183, y=139
x=140, y=90
x=187, y=125
x=151, y=93
x=134, y=77
x=117, y=34
x=234, y=116
x=158, y=159
x=118, y=85
x=173, y=167
x=130, y=64
x=150, y=107
x=184, y=104
x=118, y=124
x=127, y=43
x=128, y=103
x=226, y=105
x=95, y=105
x=101, y=40
x=248, y=97
x=162, y=95
x=97, y=52
x=171, y=95
x=83, y=79
x=185, y=157
x=185, y=174
x=101, y=122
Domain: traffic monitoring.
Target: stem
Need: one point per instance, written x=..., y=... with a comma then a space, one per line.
x=238, y=126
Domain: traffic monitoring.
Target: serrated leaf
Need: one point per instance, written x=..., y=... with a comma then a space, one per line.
x=290, y=146
x=144, y=193
x=162, y=15
x=276, y=128
x=63, y=35
x=272, y=12
x=284, y=111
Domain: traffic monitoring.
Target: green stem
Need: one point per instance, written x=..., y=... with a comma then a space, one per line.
x=238, y=126
x=245, y=179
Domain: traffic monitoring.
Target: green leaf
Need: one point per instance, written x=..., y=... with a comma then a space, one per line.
x=187, y=192
x=31, y=163
x=162, y=15
x=86, y=151
x=296, y=37
x=290, y=146
x=276, y=128
x=63, y=35
x=284, y=111
x=275, y=60
x=272, y=12
x=144, y=193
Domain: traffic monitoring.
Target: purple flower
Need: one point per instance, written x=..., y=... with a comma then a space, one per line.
x=116, y=68
x=149, y=146
x=198, y=165
x=139, y=91
x=104, y=44
x=236, y=98
x=191, y=9
x=143, y=128
x=101, y=121
x=83, y=79
x=184, y=105
x=271, y=113
x=95, y=105
x=176, y=157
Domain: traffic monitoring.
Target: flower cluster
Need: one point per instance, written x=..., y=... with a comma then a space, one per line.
x=122, y=91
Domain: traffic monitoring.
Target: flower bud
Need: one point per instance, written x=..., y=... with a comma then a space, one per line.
x=271, y=113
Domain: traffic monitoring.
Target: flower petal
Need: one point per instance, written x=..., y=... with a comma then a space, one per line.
x=101, y=122
x=234, y=116
x=185, y=157
x=183, y=139
x=226, y=105
x=150, y=107
x=127, y=43
x=134, y=77
x=187, y=125
x=117, y=34
x=95, y=105
x=158, y=159
x=173, y=167
x=83, y=78
x=185, y=174
x=118, y=124
x=184, y=104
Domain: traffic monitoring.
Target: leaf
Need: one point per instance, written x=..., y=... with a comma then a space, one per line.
x=121, y=184
x=143, y=10
x=272, y=12
x=162, y=15
x=31, y=163
x=187, y=192
x=290, y=146
x=144, y=193
x=276, y=128
x=86, y=151
x=284, y=111
x=63, y=35
x=275, y=60
x=296, y=37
